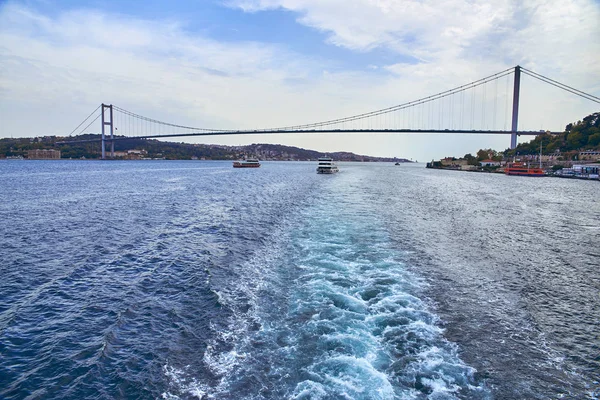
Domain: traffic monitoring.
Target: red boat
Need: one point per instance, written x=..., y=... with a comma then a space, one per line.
x=523, y=170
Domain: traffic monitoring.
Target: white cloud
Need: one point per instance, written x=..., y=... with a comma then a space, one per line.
x=554, y=37
x=427, y=30
x=60, y=68
x=534, y=31
x=452, y=42
x=90, y=56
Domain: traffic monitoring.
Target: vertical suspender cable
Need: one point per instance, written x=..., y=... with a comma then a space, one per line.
x=495, y=102
x=452, y=111
x=462, y=109
x=506, y=103
x=483, y=106
x=473, y=108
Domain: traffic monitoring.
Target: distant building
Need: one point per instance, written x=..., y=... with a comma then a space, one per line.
x=448, y=161
x=589, y=155
x=131, y=154
x=490, y=163
x=548, y=158
x=587, y=169
x=43, y=154
x=461, y=161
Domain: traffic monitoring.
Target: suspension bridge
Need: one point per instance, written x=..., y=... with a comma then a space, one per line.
x=480, y=107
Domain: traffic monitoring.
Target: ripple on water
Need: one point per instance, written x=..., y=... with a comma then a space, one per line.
x=338, y=317
x=194, y=280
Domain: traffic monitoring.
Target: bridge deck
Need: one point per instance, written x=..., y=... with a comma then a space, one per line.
x=264, y=132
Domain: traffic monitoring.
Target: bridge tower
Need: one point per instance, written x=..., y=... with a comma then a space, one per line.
x=515, y=111
x=104, y=124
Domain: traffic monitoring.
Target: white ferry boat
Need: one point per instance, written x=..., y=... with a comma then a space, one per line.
x=326, y=166
x=249, y=163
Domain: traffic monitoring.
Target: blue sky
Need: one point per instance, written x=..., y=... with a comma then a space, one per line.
x=222, y=21
x=256, y=63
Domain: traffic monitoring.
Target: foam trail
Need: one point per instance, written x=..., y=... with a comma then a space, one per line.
x=330, y=312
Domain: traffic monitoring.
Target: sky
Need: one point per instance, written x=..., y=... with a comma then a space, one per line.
x=250, y=64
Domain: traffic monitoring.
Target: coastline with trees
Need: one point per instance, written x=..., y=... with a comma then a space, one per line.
x=136, y=149
x=579, y=144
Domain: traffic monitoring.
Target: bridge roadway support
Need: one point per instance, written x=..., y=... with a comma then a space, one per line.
x=515, y=111
x=109, y=123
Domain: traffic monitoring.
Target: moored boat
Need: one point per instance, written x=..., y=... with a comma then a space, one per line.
x=523, y=170
x=249, y=163
x=326, y=166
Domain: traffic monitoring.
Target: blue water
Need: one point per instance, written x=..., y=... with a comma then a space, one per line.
x=166, y=279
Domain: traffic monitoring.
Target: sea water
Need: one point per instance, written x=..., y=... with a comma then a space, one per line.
x=164, y=279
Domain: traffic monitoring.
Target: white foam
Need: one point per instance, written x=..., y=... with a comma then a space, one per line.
x=337, y=342
x=183, y=385
x=353, y=376
x=225, y=353
x=309, y=390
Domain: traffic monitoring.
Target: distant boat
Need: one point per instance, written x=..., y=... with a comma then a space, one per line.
x=397, y=163
x=523, y=170
x=326, y=166
x=249, y=163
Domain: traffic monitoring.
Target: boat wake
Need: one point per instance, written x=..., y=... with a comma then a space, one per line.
x=330, y=311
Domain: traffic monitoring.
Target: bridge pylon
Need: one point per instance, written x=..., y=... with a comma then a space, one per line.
x=110, y=124
x=515, y=111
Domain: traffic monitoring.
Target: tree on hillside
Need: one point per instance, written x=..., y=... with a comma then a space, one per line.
x=471, y=160
x=485, y=154
x=584, y=134
x=575, y=139
x=594, y=140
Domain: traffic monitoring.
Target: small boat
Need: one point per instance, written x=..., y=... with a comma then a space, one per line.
x=397, y=163
x=249, y=163
x=326, y=166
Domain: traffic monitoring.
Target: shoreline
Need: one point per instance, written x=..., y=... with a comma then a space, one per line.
x=584, y=178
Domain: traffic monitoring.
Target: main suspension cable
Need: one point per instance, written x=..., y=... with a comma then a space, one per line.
x=562, y=86
x=141, y=117
x=83, y=122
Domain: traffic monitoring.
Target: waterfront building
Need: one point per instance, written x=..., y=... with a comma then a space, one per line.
x=590, y=155
x=490, y=163
x=43, y=154
x=131, y=154
x=585, y=171
x=453, y=163
x=550, y=158
x=448, y=161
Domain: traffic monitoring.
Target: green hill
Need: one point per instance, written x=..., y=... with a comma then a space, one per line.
x=173, y=150
x=581, y=135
